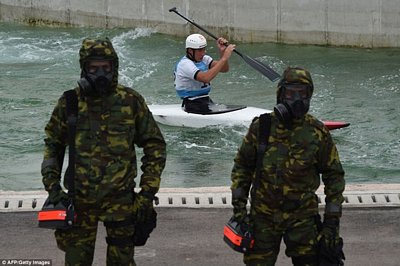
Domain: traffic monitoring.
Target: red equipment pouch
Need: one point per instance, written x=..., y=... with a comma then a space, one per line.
x=57, y=216
x=239, y=240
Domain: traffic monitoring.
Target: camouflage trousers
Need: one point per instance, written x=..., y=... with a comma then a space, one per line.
x=299, y=236
x=78, y=243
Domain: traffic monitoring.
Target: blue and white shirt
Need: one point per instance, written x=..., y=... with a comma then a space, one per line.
x=185, y=73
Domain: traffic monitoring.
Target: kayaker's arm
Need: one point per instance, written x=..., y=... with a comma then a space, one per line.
x=222, y=45
x=216, y=66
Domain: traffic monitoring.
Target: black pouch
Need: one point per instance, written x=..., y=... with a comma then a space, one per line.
x=60, y=216
x=143, y=230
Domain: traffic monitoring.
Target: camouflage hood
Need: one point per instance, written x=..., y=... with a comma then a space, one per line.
x=295, y=75
x=99, y=49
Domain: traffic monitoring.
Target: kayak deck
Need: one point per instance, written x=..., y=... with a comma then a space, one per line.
x=174, y=115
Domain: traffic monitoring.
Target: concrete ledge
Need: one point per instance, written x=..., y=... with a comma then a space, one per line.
x=356, y=196
x=362, y=23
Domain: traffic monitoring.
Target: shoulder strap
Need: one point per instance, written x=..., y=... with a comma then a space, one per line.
x=72, y=116
x=263, y=135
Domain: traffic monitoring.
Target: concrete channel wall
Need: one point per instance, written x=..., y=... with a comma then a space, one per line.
x=360, y=23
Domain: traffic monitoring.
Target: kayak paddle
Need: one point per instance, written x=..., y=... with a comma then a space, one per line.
x=257, y=65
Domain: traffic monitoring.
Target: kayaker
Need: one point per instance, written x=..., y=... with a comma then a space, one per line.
x=194, y=72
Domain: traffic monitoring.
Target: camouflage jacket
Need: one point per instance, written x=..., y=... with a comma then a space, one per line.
x=292, y=165
x=108, y=129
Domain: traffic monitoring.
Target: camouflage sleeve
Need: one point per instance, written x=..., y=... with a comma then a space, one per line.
x=55, y=142
x=332, y=176
x=245, y=163
x=150, y=138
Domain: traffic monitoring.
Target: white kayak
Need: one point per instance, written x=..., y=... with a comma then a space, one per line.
x=174, y=115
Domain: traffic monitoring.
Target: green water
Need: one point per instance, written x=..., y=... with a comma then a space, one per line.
x=360, y=86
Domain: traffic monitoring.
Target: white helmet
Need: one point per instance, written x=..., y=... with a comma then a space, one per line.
x=196, y=41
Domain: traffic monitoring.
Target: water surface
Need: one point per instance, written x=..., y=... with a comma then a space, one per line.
x=360, y=86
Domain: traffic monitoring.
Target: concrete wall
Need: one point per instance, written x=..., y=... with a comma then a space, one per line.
x=363, y=23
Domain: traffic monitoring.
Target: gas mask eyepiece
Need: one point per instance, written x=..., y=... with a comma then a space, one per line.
x=96, y=78
x=294, y=102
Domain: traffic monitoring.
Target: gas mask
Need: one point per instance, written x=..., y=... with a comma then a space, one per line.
x=96, y=80
x=293, y=103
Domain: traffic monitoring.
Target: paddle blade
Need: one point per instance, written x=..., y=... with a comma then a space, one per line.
x=262, y=68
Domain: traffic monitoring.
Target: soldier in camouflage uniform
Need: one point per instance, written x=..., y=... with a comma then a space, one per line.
x=300, y=148
x=112, y=119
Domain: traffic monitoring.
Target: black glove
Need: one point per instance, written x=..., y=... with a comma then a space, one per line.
x=58, y=195
x=146, y=218
x=330, y=230
x=330, y=243
x=239, y=209
x=144, y=207
x=143, y=230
